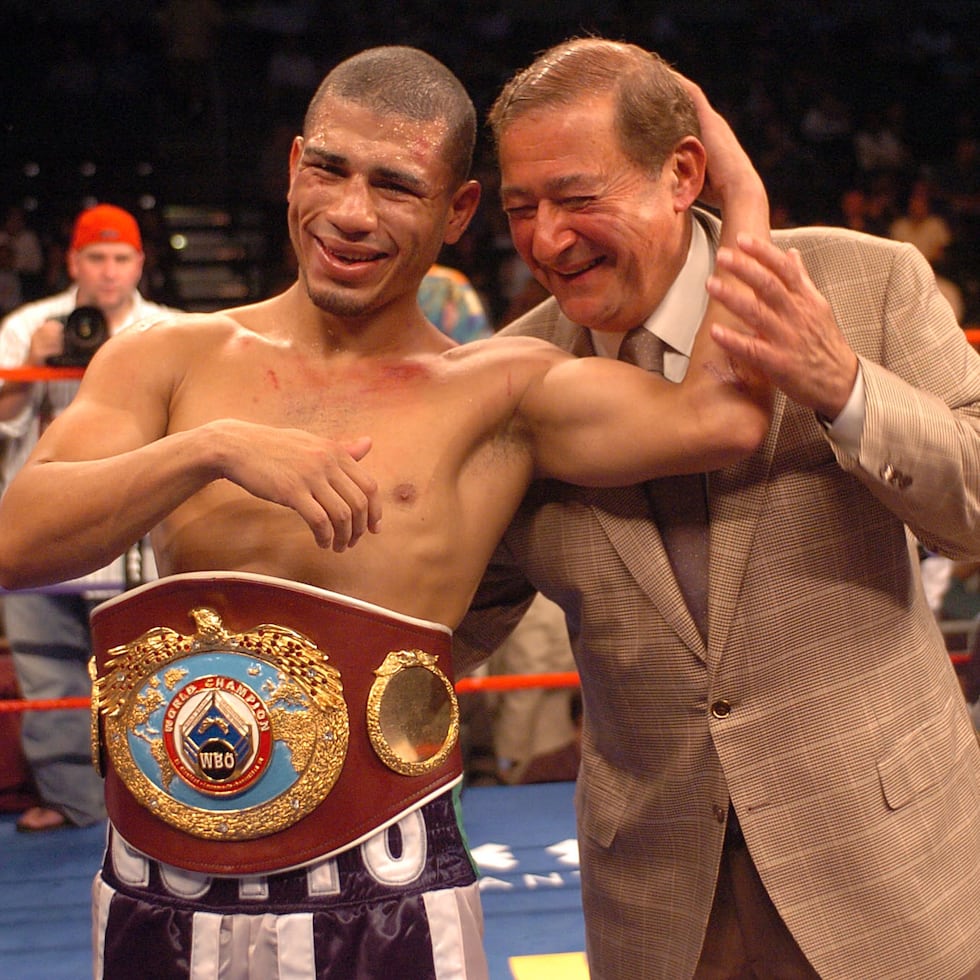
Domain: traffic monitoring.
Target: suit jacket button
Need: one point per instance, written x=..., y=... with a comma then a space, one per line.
x=895, y=478
x=721, y=708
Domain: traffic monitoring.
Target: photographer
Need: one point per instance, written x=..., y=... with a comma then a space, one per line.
x=48, y=633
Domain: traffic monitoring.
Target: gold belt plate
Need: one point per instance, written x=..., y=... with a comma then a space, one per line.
x=226, y=736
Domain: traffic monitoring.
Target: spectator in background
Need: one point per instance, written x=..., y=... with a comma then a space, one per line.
x=191, y=33
x=562, y=763
x=881, y=202
x=961, y=599
x=125, y=126
x=931, y=234
x=534, y=721
x=11, y=295
x=25, y=245
x=826, y=135
x=958, y=179
x=921, y=225
x=971, y=679
x=71, y=88
x=291, y=73
x=867, y=205
x=828, y=125
x=853, y=210
x=55, y=274
x=957, y=184
x=937, y=574
x=48, y=633
x=879, y=142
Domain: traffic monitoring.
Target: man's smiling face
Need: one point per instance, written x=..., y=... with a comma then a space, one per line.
x=368, y=206
x=605, y=236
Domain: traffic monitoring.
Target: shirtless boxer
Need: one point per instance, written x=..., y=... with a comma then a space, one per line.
x=232, y=437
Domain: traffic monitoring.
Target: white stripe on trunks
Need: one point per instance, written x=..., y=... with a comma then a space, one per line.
x=101, y=899
x=456, y=924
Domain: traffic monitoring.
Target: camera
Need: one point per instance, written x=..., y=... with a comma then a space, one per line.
x=86, y=331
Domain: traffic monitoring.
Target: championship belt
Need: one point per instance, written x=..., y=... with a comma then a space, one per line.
x=246, y=724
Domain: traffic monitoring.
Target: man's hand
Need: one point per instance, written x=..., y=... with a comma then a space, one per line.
x=320, y=479
x=797, y=342
x=47, y=341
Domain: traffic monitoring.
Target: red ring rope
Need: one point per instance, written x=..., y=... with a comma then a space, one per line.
x=41, y=373
x=467, y=685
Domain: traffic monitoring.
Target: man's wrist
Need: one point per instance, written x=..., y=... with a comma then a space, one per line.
x=847, y=426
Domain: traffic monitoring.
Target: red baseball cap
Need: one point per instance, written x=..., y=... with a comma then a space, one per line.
x=105, y=224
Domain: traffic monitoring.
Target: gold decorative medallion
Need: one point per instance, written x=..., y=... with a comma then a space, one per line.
x=224, y=736
x=412, y=713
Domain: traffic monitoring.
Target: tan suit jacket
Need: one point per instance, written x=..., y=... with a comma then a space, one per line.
x=825, y=704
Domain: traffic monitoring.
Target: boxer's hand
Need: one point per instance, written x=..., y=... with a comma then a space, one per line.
x=730, y=172
x=322, y=480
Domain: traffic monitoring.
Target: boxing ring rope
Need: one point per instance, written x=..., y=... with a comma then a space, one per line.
x=42, y=373
x=466, y=685
x=11, y=705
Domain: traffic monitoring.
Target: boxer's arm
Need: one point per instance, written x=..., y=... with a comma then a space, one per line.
x=108, y=470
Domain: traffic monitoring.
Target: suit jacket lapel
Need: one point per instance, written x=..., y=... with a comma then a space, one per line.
x=736, y=496
x=624, y=515
x=573, y=338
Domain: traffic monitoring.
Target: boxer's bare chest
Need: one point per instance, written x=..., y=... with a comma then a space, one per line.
x=446, y=482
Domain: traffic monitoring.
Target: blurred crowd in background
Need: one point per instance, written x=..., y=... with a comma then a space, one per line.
x=860, y=114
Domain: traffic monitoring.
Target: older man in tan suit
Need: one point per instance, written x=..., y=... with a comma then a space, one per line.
x=779, y=776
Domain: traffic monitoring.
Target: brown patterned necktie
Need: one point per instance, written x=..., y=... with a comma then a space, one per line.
x=678, y=504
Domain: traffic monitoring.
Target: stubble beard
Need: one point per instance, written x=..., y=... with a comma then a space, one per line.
x=338, y=303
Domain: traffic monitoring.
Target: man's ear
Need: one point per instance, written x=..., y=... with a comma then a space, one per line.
x=461, y=210
x=295, y=152
x=688, y=165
